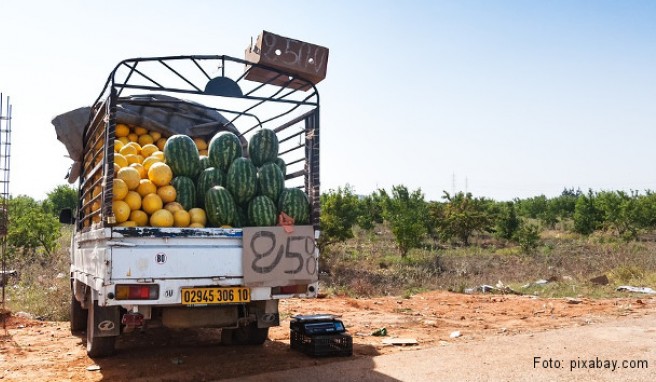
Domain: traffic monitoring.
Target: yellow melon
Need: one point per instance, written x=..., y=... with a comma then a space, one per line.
x=140, y=130
x=151, y=203
x=135, y=145
x=200, y=143
x=145, y=139
x=196, y=225
x=198, y=216
x=124, y=140
x=132, y=158
x=142, y=170
x=149, y=162
x=158, y=154
x=133, y=137
x=139, y=217
x=121, y=211
x=146, y=187
x=122, y=130
x=148, y=149
x=128, y=223
x=118, y=145
x=128, y=150
x=133, y=199
x=156, y=135
x=203, y=152
x=160, y=143
x=120, y=189
x=130, y=176
x=120, y=160
x=167, y=193
x=116, y=168
x=181, y=218
x=162, y=218
x=160, y=174
x=173, y=207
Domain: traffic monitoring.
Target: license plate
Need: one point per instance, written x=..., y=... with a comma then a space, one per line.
x=201, y=296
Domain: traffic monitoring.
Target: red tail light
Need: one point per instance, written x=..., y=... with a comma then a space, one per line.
x=290, y=289
x=137, y=292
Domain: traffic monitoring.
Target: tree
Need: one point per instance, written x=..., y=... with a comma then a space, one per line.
x=370, y=211
x=587, y=217
x=31, y=228
x=462, y=216
x=407, y=215
x=60, y=198
x=339, y=212
x=506, y=222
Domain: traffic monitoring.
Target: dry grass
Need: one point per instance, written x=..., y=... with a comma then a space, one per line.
x=370, y=265
x=42, y=289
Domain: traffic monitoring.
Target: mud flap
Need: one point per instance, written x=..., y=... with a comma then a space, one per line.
x=266, y=313
x=106, y=321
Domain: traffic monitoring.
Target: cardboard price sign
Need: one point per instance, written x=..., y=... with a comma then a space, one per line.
x=273, y=257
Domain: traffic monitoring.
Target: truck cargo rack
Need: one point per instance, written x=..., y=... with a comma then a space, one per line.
x=210, y=84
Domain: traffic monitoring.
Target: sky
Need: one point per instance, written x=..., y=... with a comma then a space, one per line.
x=504, y=99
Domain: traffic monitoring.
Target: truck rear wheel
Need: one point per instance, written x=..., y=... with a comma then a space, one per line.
x=78, y=317
x=245, y=335
x=97, y=346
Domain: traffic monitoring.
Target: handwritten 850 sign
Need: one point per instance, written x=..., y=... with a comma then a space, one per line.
x=273, y=257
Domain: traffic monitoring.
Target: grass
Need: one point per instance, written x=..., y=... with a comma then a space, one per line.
x=370, y=265
x=43, y=287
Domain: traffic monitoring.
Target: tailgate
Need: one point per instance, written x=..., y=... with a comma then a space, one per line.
x=155, y=253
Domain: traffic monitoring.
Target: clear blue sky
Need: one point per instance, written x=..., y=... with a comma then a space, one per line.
x=502, y=98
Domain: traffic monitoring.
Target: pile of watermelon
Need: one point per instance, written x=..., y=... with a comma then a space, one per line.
x=233, y=190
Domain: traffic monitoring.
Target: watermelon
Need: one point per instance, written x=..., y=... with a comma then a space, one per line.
x=241, y=218
x=263, y=147
x=204, y=162
x=219, y=207
x=207, y=179
x=294, y=202
x=283, y=166
x=262, y=211
x=241, y=180
x=223, y=149
x=271, y=181
x=185, y=191
x=182, y=156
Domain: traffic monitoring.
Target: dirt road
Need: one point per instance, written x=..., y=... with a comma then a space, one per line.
x=45, y=351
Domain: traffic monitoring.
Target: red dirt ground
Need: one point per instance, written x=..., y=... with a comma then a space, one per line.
x=46, y=351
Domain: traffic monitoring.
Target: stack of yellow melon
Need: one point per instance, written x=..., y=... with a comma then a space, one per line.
x=143, y=195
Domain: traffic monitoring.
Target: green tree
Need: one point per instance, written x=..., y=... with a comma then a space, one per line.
x=462, y=215
x=621, y=212
x=528, y=237
x=370, y=211
x=31, y=228
x=61, y=197
x=587, y=217
x=407, y=215
x=339, y=212
x=506, y=221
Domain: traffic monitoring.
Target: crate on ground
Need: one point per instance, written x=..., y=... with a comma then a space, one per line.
x=320, y=335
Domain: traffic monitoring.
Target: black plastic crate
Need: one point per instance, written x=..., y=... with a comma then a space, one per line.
x=340, y=344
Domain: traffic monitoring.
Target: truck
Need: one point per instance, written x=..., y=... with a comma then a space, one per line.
x=128, y=276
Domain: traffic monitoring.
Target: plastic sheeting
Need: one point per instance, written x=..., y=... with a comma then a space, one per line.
x=165, y=114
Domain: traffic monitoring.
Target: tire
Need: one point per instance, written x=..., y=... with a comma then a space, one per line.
x=245, y=335
x=98, y=347
x=78, y=316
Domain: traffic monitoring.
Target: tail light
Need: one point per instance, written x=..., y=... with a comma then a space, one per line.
x=290, y=289
x=137, y=292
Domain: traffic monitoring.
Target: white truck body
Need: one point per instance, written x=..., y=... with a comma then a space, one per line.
x=133, y=277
